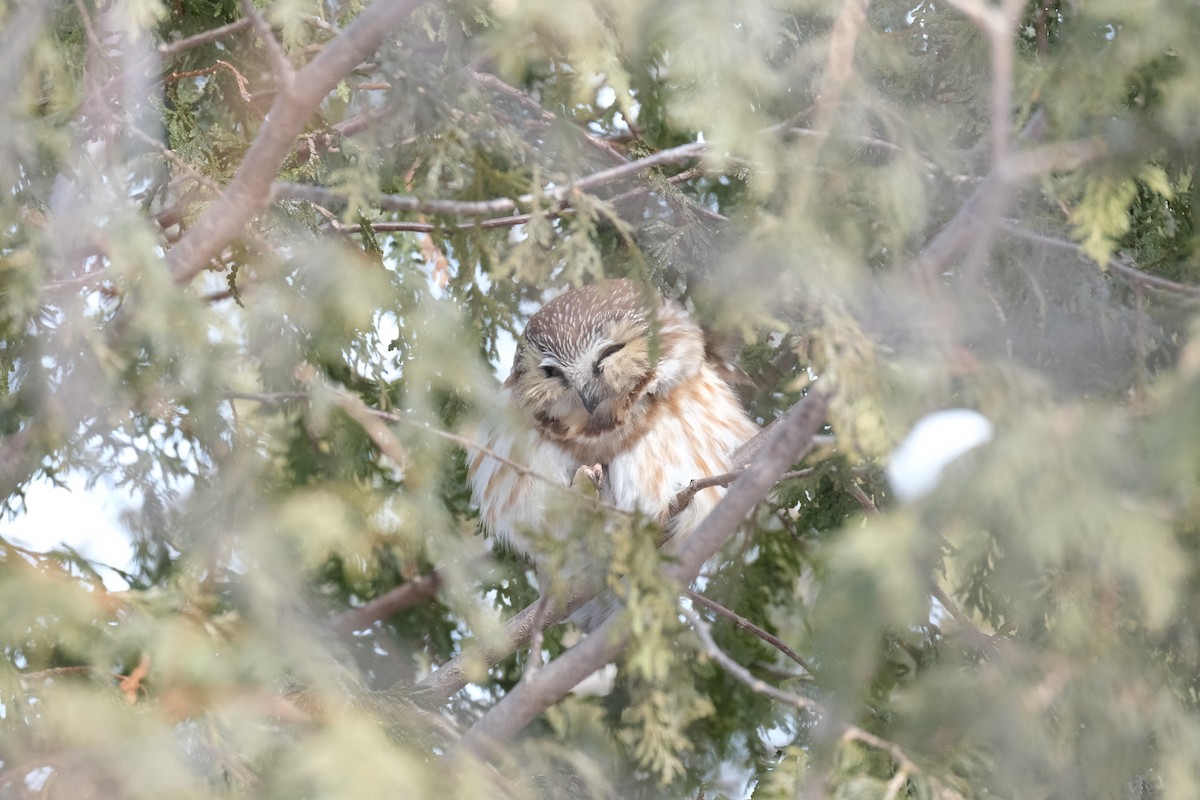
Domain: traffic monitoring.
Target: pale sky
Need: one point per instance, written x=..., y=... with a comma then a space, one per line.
x=86, y=520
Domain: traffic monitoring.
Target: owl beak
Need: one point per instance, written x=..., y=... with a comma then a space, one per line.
x=590, y=398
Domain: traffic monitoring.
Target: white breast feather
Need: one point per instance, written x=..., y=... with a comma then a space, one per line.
x=695, y=441
x=706, y=424
x=510, y=502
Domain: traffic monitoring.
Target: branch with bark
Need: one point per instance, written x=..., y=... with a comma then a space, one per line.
x=294, y=102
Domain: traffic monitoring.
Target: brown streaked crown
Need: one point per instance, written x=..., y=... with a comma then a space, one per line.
x=569, y=323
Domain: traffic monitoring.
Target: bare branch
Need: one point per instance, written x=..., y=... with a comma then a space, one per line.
x=998, y=24
x=404, y=596
x=861, y=497
x=374, y=427
x=462, y=441
x=1115, y=264
x=985, y=206
x=495, y=84
x=672, y=155
x=896, y=784
x=560, y=196
x=249, y=192
x=204, y=38
x=687, y=493
x=395, y=202
x=550, y=684
x=853, y=733
x=727, y=663
x=839, y=63
x=793, y=436
x=282, y=68
x=452, y=676
x=746, y=625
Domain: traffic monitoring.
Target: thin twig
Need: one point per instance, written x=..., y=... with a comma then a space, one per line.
x=559, y=197
x=740, y=673
x=281, y=67
x=684, y=498
x=849, y=732
x=853, y=733
x=998, y=24
x=405, y=596
x=462, y=441
x=1114, y=264
x=200, y=39
x=248, y=193
x=746, y=625
x=896, y=784
x=858, y=494
x=495, y=84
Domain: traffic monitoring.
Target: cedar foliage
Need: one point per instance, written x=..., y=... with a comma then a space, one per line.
x=848, y=221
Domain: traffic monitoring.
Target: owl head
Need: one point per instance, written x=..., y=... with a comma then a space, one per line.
x=596, y=363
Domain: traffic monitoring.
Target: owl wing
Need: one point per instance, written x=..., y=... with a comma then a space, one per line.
x=512, y=476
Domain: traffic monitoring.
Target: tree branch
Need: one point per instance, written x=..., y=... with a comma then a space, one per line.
x=166, y=50
x=1115, y=264
x=405, y=596
x=799, y=702
x=687, y=493
x=248, y=193
x=469, y=208
x=997, y=23
x=452, y=676
x=839, y=63
x=727, y=663
x=746, y=625
x=282, y=68
x=987, y=203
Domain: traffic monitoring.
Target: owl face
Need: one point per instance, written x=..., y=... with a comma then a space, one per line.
x=585, y=373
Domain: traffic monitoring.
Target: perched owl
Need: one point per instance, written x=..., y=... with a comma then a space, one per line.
x=605, y=375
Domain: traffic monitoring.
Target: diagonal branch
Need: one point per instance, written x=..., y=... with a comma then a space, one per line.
x=284, y=72
x=727, y=663
x=406, y=595
x=850, y=733
x=1125, y=270
x=998, y=24
x=248, y=194
x=744, y=624
x=204, y=38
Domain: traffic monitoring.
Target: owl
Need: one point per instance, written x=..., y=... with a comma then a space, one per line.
x=608, y=376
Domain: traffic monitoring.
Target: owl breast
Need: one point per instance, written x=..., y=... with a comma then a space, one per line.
x=693, y=435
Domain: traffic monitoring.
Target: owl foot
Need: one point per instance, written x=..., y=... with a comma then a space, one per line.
x=588, y=478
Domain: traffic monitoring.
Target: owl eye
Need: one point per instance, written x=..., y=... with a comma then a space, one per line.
x=552, y=371
x=608, y=351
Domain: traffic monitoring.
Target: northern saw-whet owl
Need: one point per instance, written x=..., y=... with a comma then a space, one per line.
x=609, y=375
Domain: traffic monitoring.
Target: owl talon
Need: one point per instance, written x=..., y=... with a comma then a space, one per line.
x=589, y=477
